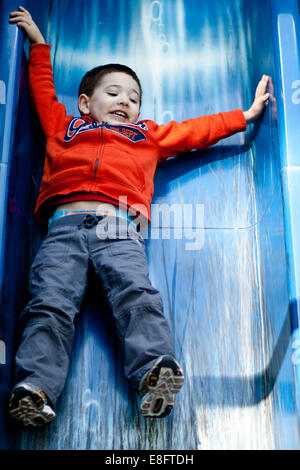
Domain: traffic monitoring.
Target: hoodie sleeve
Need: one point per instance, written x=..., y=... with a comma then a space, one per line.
x=197, y=133
x=52, y=114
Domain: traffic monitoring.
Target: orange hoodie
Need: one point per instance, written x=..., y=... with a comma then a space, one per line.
x=95, y=159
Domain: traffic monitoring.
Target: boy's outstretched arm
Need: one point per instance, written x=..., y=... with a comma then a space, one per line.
x=261, y=100
x=51, y=112
x=25, y=22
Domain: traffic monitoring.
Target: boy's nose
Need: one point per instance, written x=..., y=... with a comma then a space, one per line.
x=124, y=100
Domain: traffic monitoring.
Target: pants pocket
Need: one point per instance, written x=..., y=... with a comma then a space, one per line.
x=52, y=258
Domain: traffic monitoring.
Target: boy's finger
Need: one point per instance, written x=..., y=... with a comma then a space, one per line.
x=23, y=9
x=18, y=14
x=22, y=12
x=14, y=13
x=26, y=12
x=22, y=24
x=262, y=85
x=16, y=19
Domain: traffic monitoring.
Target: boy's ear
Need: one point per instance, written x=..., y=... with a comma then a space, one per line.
x=84, y=103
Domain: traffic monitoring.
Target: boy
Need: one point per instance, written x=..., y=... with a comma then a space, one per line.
x=98, y=174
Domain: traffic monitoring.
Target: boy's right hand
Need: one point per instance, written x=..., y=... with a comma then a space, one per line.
x=261, y=100
x=25, y=22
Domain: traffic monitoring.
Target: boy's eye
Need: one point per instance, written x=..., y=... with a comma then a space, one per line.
x=114, y=93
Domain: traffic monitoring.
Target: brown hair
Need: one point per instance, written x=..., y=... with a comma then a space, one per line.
x=92, y=78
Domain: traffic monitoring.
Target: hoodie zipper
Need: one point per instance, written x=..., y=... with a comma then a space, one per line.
x=96, y=164
x=95, y=168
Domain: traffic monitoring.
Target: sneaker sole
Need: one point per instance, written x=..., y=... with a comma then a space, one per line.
x=30, y=415
x=163, y=383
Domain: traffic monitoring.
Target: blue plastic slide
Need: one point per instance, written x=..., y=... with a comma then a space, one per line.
x=224, y=243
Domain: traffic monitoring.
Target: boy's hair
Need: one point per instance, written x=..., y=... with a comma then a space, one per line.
x=92, y=78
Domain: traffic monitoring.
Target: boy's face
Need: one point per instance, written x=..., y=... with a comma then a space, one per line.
x=116, y=99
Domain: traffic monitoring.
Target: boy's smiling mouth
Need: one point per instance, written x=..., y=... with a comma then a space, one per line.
x=119, y=113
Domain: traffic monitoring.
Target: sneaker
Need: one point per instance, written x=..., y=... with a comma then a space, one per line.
x=160, y=384
x=30, y=405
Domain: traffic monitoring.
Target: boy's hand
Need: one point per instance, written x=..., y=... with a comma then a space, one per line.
x=25, y=22
x=261, y=100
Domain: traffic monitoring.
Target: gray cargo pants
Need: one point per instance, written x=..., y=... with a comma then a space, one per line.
x=58, y=280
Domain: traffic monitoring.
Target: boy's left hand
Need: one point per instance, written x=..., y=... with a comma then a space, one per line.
x=23, y=19
x=261, y=100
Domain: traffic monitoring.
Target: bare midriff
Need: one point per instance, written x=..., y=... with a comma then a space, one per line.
x=86, y=206
x=99, y=207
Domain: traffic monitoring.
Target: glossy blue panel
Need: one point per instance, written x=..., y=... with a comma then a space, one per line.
x=286, y=30
x=286, y=33
x=10, y=62
x=222, y=265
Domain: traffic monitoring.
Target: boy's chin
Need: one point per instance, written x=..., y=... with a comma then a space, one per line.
x=117, y=122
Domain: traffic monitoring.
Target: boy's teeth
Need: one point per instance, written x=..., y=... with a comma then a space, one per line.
x=119, y=113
